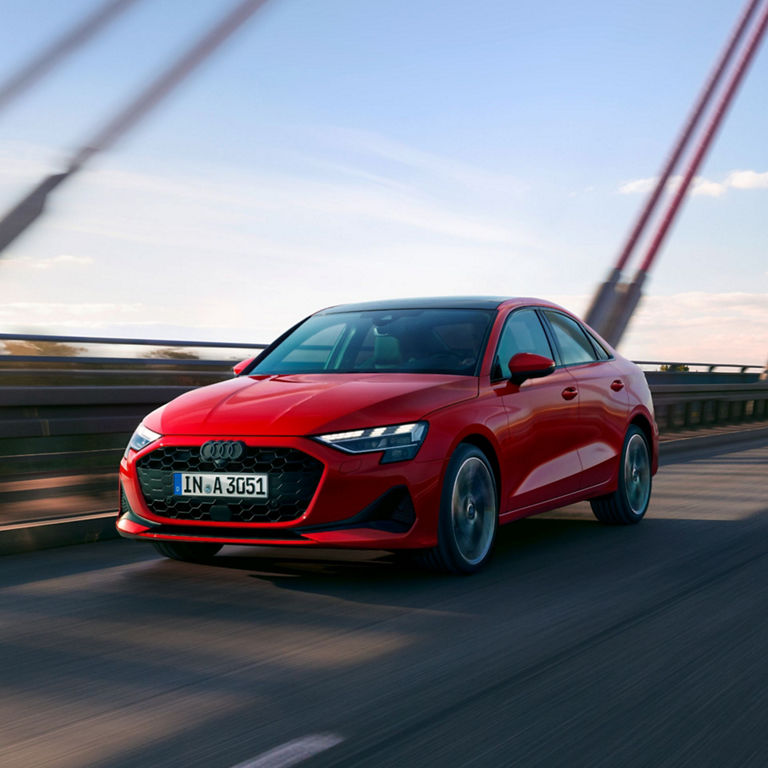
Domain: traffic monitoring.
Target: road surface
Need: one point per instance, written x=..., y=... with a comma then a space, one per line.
x=579, y=645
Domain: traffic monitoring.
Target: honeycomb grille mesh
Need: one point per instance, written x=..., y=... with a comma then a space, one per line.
x=293, y=479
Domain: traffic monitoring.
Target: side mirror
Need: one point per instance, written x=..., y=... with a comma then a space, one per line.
x=242, y=365
x=526, y=365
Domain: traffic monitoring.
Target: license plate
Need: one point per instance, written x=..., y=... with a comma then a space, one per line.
x=220, y=485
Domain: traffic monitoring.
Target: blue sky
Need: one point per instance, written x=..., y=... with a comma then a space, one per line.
x=337, y=151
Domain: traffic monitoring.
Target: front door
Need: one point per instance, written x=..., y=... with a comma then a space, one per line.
x=602, y=398
x=540, y=447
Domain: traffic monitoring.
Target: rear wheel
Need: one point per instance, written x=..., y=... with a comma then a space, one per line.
x=189, y=551
x=469, y=514
x=629, y=502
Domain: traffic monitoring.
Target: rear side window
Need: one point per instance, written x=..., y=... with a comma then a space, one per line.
x=602, y=352
x=575, y=347
x=523, y=332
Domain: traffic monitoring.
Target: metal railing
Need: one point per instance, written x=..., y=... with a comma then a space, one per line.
x=69, y=403
x=65, y=420
x=675, y=367
x=32, y=360
x=688, y=406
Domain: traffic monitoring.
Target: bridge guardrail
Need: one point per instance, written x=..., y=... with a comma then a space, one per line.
x=686, y=406
x=64, y=421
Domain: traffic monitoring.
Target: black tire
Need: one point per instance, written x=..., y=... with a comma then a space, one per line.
x=188, y=551
x=628, y=503
x=469, y=515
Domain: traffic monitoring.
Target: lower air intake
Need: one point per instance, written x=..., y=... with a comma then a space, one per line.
x=293, y=480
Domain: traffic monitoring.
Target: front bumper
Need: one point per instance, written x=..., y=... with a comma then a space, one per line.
x=357, y=502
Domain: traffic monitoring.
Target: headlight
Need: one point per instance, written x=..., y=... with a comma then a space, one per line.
x=141, y=437
x=398, y=442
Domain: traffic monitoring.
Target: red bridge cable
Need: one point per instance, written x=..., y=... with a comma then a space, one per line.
x=711, y=130
x=166, y=82
x=682, y=141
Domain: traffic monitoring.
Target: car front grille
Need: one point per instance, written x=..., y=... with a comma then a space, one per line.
x=293, y=479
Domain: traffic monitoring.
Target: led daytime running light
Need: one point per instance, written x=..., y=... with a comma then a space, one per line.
x=398, y=441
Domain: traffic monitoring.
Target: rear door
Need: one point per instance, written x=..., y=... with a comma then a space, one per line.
x=601, y=395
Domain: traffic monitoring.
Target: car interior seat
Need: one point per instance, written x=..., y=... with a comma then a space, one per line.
x=386, y=352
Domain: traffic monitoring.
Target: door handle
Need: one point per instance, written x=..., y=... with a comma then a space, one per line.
x=569, y=393
x=617, y=385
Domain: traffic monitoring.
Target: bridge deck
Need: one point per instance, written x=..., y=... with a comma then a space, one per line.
x=579, y=645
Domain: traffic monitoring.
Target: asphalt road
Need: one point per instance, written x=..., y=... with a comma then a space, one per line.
x=580, y=645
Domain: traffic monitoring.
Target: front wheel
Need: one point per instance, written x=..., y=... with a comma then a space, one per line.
x=469, y=514
x=629, y=502
x=188, y=551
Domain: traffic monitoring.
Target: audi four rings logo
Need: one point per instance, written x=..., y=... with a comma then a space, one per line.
x=221, y=450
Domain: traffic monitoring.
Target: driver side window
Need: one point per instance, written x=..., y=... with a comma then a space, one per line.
x=522, y=332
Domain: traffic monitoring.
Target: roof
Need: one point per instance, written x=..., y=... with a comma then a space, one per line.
x=430, y=302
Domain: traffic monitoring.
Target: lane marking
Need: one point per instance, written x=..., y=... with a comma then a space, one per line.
x=293, y=752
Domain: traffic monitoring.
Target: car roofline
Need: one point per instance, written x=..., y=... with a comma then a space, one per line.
x=431, y=302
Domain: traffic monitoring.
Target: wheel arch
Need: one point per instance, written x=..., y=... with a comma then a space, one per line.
x=486, y=446
x=641, y=421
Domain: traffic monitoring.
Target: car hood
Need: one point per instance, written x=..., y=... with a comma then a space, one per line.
x=308, y=404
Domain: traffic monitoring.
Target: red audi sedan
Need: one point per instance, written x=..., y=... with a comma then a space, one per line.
x=415, y=425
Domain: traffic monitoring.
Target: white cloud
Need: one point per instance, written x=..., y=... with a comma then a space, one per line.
x=229, y=255
x=706, y=188
x=424, y=164
x=637, y=186
x=63, y=259
x=198, y=212
x=747, y=180
x=53, y=315
x=126, y=319
x=695, y=327
x=203, y=249
x=700, y=186
x=700, y=327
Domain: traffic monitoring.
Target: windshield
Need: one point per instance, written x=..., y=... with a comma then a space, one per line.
x=396, y=341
